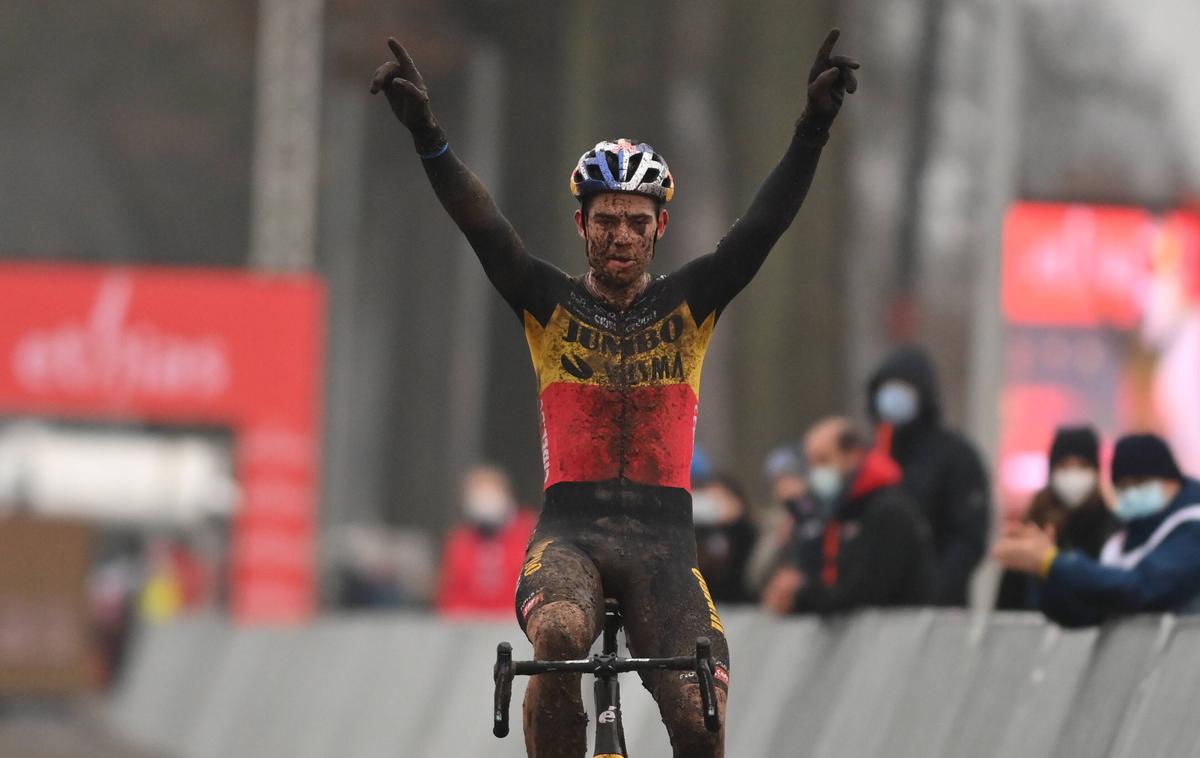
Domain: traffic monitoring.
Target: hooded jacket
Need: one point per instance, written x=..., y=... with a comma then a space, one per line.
x=1151, y=566
x=943, y=473
x=876, y=548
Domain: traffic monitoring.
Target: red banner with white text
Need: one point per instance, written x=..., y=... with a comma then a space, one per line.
x=188, y=346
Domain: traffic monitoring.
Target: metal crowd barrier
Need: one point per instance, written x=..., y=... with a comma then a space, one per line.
x=918, y=683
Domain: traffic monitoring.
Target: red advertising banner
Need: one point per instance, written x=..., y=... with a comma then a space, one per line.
x=188, y=346
x=1102, y=311
x=1075, y=265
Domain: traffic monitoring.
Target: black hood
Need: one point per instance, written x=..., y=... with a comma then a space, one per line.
x=913, y=365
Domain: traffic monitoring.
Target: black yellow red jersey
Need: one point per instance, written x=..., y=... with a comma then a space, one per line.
x=618, y=389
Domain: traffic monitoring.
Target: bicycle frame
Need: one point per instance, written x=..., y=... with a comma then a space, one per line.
x=610, y=732
x=606, y=666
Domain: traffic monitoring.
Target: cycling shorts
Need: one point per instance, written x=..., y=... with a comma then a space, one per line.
x=632, y=542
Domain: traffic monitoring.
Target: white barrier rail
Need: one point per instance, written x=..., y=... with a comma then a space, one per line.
x=918, y=683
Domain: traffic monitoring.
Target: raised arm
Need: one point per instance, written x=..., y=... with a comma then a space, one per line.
x=461, y=193
x=743, y=250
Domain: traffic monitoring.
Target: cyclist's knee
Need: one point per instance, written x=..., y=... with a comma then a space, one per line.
x=681, y=713
x=560, y=630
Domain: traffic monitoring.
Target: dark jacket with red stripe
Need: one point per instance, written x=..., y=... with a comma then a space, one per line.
x=877, y=549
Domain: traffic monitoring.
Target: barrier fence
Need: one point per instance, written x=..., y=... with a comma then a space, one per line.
x=917, y=683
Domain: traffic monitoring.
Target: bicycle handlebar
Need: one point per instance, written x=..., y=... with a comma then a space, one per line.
x=502, y=674
x=603, y=665
x=708, y=690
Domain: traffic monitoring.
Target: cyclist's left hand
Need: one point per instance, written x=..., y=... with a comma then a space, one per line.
x=831, y=77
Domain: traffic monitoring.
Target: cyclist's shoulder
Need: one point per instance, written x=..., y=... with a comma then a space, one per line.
x=699, y=283
x=545, y=272
x=543, y=287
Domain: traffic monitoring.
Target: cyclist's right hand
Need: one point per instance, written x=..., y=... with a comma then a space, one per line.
x=401, y=83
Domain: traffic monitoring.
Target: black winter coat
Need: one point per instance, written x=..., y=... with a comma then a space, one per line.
x=943, y=473
x=883, y=554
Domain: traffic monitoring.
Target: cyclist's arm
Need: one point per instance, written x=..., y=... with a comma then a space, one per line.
x=489, y=233
x=461, y=192
x=743, y=250
x=716, y=278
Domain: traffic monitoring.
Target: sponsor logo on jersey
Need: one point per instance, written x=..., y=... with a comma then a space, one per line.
x=714, y=620
x=721, y=674
x=529, y=604
x=533, y=562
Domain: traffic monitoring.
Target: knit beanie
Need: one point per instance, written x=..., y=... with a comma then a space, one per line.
x=1077, y=441
x=1144, y=456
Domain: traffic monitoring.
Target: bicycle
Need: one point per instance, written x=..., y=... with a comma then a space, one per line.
x=606, y=666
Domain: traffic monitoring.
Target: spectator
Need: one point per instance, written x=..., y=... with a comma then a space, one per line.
x=790, y=514
x=1151, y=565
x=177, y=580
x=942, y=470
x=875, y=549
x=483, y=556
x=1071, y=505
x=724, y=538
x=376, y=567
x=784, y=469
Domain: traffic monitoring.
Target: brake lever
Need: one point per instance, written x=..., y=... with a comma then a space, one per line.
x=502, y=675
x=708, y=692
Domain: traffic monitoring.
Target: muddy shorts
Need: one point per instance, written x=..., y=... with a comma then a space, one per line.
x=632, y=542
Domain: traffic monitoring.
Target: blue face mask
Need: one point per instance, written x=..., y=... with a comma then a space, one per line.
x=897, y=402
x=1141, y=501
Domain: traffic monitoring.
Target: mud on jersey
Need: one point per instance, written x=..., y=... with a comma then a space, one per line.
x=618, y=390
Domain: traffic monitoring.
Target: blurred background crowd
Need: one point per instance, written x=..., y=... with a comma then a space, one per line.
x=247, y=366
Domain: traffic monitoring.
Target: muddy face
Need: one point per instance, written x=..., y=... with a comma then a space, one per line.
x=620, y=230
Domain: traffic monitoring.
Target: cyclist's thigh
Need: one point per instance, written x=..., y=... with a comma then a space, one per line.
x=665, y=609
x=555, y=570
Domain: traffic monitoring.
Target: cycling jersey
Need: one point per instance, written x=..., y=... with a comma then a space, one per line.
x=618, y=389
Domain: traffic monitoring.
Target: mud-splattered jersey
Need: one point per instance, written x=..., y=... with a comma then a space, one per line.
x=618, y=389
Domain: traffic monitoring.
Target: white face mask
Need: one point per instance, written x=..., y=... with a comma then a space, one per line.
x=1141, y=501
x=897, y=402
x=1073, y=485
x=706, y=509
x=826, y=482
x=488, y=506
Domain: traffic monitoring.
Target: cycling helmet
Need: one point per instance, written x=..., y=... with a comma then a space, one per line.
x=622, y=166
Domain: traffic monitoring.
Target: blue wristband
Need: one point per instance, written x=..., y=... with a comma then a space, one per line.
x=437, y=153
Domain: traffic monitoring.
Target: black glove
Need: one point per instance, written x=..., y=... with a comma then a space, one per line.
x=829, y=79
x=406, y=92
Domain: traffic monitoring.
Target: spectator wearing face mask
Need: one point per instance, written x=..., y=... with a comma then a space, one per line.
x=725, y=537
x=791, y=515
x=483, y=554
x=1071, y=506
x=942, y=470
x=1152, y=565
x=875, y=548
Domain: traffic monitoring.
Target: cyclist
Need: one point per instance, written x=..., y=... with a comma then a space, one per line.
x=617, y=354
